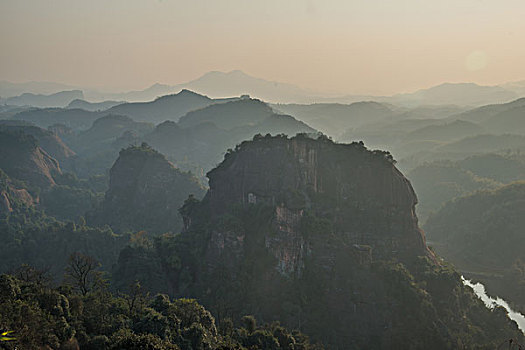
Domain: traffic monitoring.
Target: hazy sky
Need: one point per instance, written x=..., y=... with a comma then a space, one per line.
x=350, y=46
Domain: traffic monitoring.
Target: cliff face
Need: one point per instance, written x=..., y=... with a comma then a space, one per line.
x=323, y=237
x=362, y=194
x=21, y=158
x=145, y=192
x=47, y=140
x=11, y=196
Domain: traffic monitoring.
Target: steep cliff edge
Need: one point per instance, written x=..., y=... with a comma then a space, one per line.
x=12, y=195
x=145, y=192
x=21, y=158
x=365, y=198
x=323, y=237
x=47, y=140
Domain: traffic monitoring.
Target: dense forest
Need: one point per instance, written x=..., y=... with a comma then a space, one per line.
x=83, y=313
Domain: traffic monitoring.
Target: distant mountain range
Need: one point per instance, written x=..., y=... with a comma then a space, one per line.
x=236, y=83
x=59, y=99
x=461, y=94
x=168, y=107
x=8, y=89
x=92, y=106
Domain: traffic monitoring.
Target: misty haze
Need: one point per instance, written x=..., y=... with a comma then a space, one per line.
x=302, y=174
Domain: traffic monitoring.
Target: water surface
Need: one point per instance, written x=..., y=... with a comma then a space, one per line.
x=490, y=302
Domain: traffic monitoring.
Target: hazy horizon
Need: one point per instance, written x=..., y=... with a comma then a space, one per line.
x=375, y=48
x=313, y=90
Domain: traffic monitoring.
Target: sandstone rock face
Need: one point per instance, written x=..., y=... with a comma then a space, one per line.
x=145, y=193
x=5, y=204
x=21, y=158
x=368, y=201
x=47, y=140
x=322, y=237
x=12, y=197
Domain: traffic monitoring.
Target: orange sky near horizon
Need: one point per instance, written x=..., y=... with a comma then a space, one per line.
x=348, y=47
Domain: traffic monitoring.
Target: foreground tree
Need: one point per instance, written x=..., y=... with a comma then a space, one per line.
x=82, y=273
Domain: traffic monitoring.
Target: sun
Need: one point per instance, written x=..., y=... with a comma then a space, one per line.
x=476, y=60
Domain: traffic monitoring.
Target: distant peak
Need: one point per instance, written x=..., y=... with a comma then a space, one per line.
x=237, y=72
x=182, y=93
x=158, y=85
x=188, y=92
x=191, y=93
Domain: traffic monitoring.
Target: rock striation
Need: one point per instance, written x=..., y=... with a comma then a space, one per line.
x=323, y=237
x=22, y=159
x=367, y=199
x=47, y=140
x=12, y=196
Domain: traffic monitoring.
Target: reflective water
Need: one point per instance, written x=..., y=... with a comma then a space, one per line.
x=490, y=302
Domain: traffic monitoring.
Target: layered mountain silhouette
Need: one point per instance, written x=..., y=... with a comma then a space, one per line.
x=462, y=94
x=59, y=99
x=335, y=118
x=93, y=106
x=169, y=107
x=236, y=83
x=77, y=119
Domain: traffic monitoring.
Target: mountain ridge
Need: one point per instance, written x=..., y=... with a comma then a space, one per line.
x=236, y=82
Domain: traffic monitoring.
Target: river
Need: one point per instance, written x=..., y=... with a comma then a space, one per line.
x=490, y=302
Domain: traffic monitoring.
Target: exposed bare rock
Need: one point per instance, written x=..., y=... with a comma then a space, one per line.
x=21, y=158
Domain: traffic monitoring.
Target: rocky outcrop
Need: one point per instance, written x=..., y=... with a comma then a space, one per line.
x=323, y=237
x=22, y=159
x=11, y=196
x=145, y=193
x=47, y=140
x=368, y=200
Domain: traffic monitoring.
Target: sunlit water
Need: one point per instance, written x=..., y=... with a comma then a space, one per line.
x=490, y=302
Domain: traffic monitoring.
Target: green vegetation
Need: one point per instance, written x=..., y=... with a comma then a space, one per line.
x=483, y=235
x=502, y=168
x=39, y=315
x=438, y=182
x=441, y=181
x=304, y=257
x=68, y=203
x=145, y=193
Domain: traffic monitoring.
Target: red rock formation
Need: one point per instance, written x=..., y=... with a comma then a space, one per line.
x=370, y=202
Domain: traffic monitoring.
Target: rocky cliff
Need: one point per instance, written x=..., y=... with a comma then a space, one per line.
x=145, y=193
x=363, y=195
x=12, y=195
x=323, y=237
x=47, y=140
x=21, y=158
